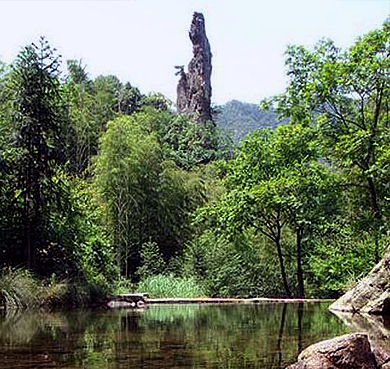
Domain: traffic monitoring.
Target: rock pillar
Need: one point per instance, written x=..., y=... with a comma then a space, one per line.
x=194, y=87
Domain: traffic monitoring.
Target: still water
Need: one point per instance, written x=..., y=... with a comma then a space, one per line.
x=166, y=336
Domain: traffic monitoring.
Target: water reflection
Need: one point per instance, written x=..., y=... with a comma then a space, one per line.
x=166, y=336
x=376, y=326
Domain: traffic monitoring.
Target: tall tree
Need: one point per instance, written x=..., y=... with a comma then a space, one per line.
x=148, y=198
x=37, y=120
x=83, y=128
x=346, y=94
x=276, y=182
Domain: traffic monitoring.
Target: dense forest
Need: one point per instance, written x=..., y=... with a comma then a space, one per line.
x=106, y=189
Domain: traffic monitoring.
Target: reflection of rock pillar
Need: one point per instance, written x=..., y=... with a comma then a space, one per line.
x=194, y=87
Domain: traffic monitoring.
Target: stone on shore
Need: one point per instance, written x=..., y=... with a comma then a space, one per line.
x=351, y=351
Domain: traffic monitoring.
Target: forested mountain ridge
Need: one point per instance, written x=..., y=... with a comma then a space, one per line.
x=239, y=118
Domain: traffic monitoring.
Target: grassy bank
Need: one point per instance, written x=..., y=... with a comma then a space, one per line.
x=161, y=285
x=20, y=289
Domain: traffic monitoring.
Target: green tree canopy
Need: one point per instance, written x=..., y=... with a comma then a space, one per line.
x=346, y=93
x=276, y=181
x=148, y=198
x=36, y=118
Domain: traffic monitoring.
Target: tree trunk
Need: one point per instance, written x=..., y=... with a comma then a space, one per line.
x=301, y=291
x=281, y=262
x=27, y=220
x=373, y=199
x=377, y=214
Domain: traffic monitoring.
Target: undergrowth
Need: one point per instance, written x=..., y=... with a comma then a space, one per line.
x=159, y=286
x=20, y=289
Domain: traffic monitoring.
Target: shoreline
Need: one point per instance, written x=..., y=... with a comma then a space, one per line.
x=142, y=300
x=259, y=300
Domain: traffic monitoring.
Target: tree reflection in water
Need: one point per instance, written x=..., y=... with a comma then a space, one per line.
x=166, y=336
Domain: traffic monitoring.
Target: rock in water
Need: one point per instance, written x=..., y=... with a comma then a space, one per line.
x=371, y=295
x=351, y=351
x=378, y=329
x=194, y=87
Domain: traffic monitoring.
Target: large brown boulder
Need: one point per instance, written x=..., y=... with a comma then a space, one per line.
x=378, y=330
x=351, y=351
x=194, y=87
x=372, y=294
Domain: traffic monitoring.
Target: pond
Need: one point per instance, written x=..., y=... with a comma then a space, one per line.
x=166, y=336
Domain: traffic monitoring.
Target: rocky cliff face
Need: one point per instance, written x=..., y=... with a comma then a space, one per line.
x=194, y=87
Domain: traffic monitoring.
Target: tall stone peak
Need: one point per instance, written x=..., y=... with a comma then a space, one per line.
x=194, y=87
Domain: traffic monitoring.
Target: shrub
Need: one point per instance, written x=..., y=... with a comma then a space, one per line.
x=152, y=261
x=243, y=268
x=123, y=286
x=18, y=289
x=337, y=265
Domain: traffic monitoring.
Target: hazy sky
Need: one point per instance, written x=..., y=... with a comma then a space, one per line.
x=141, y=40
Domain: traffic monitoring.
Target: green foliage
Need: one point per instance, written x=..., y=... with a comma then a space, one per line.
x=93, y=248
x=338, y=262
x=36, y=121
x=80, y=248
x=100, y=182
x=276, y=181
x=148, y=198
x=76, y=72
x=345, y=95
x=91, y=104
x=127, y=174
x=243, y=268
x=152, y=261
x=83, y=124
x=159, y=286
x=156, y=101
x=47, y=224
x=189, y=144
x=124, y=285
x=18, y=289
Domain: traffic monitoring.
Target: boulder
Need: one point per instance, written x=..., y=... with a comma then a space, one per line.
x=377, y=328
x=351, y=351
x=372, y=294
x=382, y=356
x=194, y=87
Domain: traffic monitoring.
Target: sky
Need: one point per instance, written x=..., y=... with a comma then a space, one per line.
x=140, y=41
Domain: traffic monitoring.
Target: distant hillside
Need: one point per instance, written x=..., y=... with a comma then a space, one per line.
x=240, y=118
